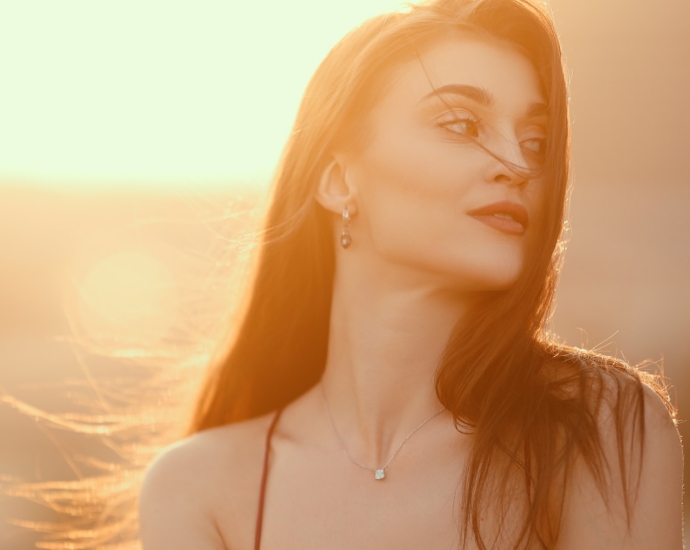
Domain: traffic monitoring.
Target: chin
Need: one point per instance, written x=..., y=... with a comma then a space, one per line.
x=487, y=274
x=490, y=284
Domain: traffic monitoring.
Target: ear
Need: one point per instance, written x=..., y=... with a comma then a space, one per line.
x=334, y=191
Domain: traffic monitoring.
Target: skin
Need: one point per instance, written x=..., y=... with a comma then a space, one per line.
x=418, y=260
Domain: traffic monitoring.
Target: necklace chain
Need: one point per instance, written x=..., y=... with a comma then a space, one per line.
x=379, y=473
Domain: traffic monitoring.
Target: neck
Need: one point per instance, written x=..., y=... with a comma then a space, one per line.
x=387, y=336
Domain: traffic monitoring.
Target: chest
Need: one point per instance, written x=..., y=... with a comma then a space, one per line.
x=350, y=509
x=316, y=500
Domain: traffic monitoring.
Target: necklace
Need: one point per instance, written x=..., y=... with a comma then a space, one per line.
x=379, y=473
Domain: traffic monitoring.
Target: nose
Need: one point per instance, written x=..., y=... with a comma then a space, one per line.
x=506, y=165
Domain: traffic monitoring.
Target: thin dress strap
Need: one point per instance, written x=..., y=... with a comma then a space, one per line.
x=264, y=476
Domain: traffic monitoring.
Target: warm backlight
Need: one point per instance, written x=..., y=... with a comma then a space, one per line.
x=127, y=297
x=156, y=92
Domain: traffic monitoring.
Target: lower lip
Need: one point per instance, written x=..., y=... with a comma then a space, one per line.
x=502, y=224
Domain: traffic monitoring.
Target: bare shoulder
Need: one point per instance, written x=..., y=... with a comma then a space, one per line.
x=637, y=429
x=203, y=486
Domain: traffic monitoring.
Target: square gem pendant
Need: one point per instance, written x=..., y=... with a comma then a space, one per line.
x=379, y=474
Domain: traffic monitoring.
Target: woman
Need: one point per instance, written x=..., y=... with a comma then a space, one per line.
x=389, y=384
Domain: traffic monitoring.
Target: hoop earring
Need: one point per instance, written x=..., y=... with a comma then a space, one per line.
x=345, y=237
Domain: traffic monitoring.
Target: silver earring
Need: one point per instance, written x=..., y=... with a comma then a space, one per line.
x=345, y=237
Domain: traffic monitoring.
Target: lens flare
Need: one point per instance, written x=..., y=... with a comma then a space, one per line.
x=129, y=296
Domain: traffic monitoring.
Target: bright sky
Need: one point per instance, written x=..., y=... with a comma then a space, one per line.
x=158, y=92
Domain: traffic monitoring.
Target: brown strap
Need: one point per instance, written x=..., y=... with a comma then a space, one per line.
x=264, y=475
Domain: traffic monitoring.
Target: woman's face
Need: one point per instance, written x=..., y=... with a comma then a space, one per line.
x=428, y=196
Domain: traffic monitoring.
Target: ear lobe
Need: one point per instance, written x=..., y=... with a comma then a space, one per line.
x=334, y=192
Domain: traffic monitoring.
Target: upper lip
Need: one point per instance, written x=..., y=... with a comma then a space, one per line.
x=512, y=209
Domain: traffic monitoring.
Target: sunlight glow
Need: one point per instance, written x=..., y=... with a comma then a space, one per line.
x=129, y=295
x=154, y=92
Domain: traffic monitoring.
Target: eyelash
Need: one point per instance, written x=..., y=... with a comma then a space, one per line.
x=467, y=119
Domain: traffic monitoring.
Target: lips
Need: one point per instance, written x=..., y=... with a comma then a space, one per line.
x=505, y=216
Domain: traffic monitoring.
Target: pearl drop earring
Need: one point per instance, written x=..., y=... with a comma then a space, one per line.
x=345, y=237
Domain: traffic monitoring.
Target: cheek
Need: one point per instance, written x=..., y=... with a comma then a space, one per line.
x=398, y=202
x=409, y=190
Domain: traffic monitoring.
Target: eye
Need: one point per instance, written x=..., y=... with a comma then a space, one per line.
x=535, y=147
x=464, y=124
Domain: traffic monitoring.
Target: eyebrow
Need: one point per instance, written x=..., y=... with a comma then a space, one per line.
x=482, y=96
x=538, y=109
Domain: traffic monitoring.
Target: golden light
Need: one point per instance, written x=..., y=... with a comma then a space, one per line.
x=129, y=296
x=158, y=93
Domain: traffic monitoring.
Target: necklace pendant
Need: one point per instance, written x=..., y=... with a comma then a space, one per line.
x=379, y=474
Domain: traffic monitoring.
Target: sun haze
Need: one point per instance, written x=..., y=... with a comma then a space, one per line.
x=158, y=93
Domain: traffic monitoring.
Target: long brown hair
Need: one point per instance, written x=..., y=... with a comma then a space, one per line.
x=531, y=404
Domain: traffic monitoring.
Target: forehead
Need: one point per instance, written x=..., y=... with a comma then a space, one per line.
x=494, y=66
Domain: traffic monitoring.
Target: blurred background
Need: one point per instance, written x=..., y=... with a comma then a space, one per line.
x=135, y=136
